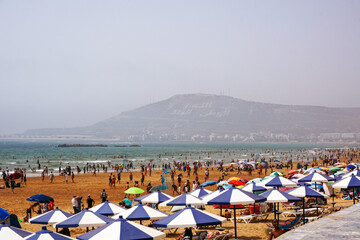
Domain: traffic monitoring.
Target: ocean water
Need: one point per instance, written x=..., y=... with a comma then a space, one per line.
x=25, y=154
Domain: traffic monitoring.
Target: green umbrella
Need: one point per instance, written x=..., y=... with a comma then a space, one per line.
x=158, y=188
x=134, y=190
x=334, y=169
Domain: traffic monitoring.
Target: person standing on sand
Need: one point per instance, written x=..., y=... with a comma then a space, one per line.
x=103, y=196
x=118, y=177
x=51, y=177
x=66, y=177
x=75, y=204
x=90, y=202
x=131, y=177
x=72, y=176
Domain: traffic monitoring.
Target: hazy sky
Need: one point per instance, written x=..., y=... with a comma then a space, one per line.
x=73, y=63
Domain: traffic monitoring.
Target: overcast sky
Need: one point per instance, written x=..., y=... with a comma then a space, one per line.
x=73, y=63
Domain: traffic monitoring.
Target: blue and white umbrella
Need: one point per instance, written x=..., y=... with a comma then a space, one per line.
x=235, y=196
x=200, y=192
x=4, y=214
x=123, y=229
x=355, y=172
x=141, y=212
x=210, y=196
x=349, y=182
x=107, y=208
x=183, y=200
x=51, y=217
x=45, y=234
x=315, y=178
x=13, y=233
x=85, y=218
x=277, y=196
x=278, y=181
x=302, y=192
x=154, y=197
x=189, y=217
x=264, y=182
x=251, y=187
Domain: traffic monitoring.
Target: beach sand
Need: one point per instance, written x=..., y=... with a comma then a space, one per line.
x=87, y=184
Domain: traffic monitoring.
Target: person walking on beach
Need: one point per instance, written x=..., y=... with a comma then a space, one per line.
x=66, y=177
x=131, y=177
x=51, y=177
x=118, y=177
x=103, y=196
x=72, y=176
x=90, y=202
x=75, y=204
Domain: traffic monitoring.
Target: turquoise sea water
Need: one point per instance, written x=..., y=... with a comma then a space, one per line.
x=25, y=154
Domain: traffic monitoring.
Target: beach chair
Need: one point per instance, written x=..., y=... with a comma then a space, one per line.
x=292, y=224
x=200, y=235
x=246, y=219
x=289, y=213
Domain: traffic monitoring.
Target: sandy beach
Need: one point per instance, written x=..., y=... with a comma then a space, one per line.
x=85, y=184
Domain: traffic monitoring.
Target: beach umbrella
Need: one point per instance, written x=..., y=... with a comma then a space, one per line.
x=335, y=169
x=184, y=199
x=141, y=212
x=4, y=214
x=349, y=182
x=189, y=217
x=355, y=172
x=236, y=182
x=234, y=196
x=85, y=218
x=158, y=188
x=45, y=234
x=154, y=197
x=315, y=177
x=107, y=209
x=277, y=196
x=222, y=183
x=134, y=190
x=210, y=196
x=51, y=217
x=293, y=172
x=208, y=183
x=302, y=192
x=40, y=198
x=255, y=180
x=264, y=182
x=251, y=187
x=123, y=229
x=278, y=181
x=276, y=174
x=13, y=233
x=200, y=192
x=14, y=176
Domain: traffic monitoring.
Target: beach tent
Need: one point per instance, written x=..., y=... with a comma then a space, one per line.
x=189, y=217
x=40, y=198
x=123, y=229
x=45, y=234
x=234, y=196
x=200, y=192
x=85, y=218
x=276, y=196
x=51, y=217
x=107, y=209
x=184, y=199
x=154, y=197
x=141, y=212
x=13, y=233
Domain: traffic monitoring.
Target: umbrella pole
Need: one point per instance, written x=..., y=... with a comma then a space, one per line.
x=221, y=214
x=303, y=210
x=57, y=229
x=274, y=210
x=354, y=195
x=235, y=221
x=316, y=199
x=87, y=229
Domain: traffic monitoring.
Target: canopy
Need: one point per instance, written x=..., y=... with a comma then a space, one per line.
x=315, y=177
x=134, y=190
x=123, y=229
x=154, y=197
x=278, y=181
x=40, y=198
x=107, y=208
x=45, y=234
x=51, y=217
x=13, y=233
x=141, y=212
x=4, y=214
x=200, y=192
x=189, y=217
x=85, y=218
x=184, y=199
